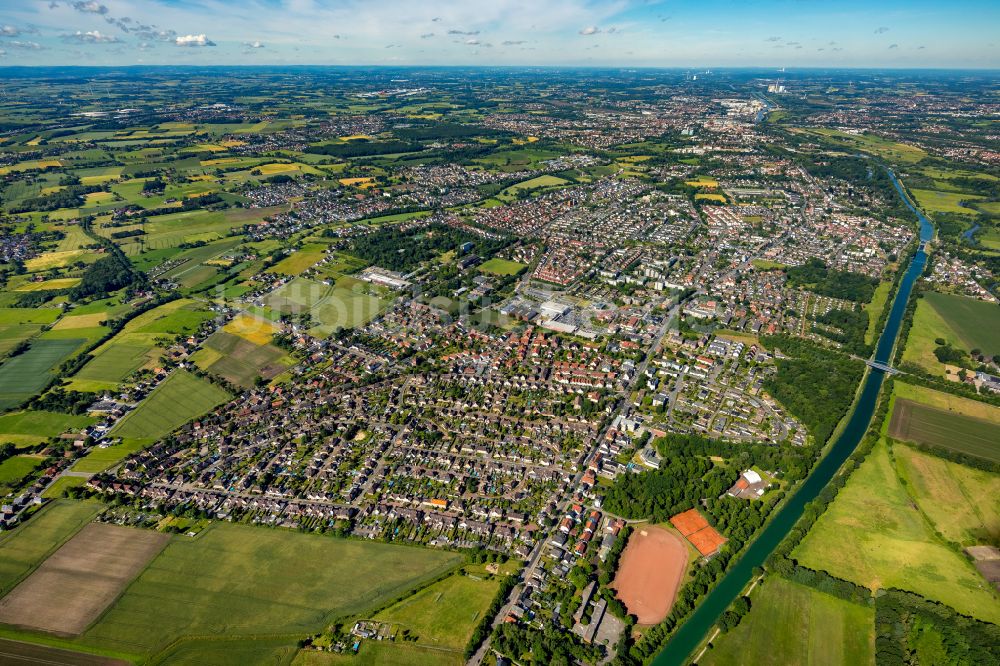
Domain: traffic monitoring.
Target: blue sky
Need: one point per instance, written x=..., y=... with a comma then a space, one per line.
x=680, y=33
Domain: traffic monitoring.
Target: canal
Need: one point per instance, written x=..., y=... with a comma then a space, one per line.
x=690, y=634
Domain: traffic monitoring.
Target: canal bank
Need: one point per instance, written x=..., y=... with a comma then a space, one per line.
x=698, y=625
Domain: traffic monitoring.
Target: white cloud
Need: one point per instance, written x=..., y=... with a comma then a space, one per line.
x=91, y=37
x=194, y=40
x=91, y=7
x=590, y=30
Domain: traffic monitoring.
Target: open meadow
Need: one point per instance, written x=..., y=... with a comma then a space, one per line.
x=961, y=502
x=973, y=321
x=33, y=427
x=874, y=534
x=794, y=624
x=444, y=614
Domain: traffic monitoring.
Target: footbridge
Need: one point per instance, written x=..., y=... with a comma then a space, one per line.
x=884, y=367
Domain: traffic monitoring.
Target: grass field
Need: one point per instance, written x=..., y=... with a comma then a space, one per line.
x=300, y=260
x=178, y=399
x=534, y=184
x=873, y=534
x=15, y=468
x=974, y=322
x=346, y=303
x=767, y=265
x=915, y=422
x=100, y=459
x=874, y=309
x=927, y=327
x=236, y=580
x=444, y=614
x=25, y=548
x=499, y=266
x=33, y=427
x=892, y=151
x=26, y=374
x=936, y=201
x=375, y=653
x=793, y=624
x=962, y=503
x=62, y=484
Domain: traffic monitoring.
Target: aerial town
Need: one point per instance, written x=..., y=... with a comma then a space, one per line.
x=368, y=368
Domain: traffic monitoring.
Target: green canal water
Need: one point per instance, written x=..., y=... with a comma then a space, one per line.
x=690, y=634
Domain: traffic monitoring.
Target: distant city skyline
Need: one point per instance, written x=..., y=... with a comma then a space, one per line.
x=681, y=33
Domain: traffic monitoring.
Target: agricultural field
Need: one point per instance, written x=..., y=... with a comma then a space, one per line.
x=300, y=260
x=25, y=548
x=139, y=344
x=499, y=266
x=947, y=401
x=928, y=326
x=87, y=573
x=975, y=323
x=794, y=624
x=915, y=422
x=33, y=427
x=961, y=502
x=179, y=398
x=17, y=324
x=874, y=534
x=887, y=149
x=26, y=374
x=240, y=360
x=235, y=580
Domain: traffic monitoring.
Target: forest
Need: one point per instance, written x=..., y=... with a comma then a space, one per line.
x=816, y=385
x=817, y=278
x=912, y=630
x=401, y=250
